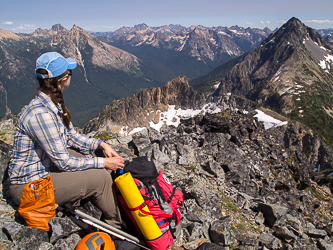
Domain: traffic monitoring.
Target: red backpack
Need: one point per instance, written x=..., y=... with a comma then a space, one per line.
x=164, y=202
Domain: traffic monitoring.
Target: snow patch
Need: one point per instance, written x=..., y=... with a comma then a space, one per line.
x=123, y=130
x=269, y=121
x=329, y=58
x=173, y=116
x=136, y=130
x=223, y=33
x=324, y=64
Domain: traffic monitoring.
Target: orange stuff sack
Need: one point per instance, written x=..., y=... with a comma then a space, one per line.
x=38, y=204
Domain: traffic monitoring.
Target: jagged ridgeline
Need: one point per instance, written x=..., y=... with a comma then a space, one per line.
x=192, y=51
x=290, y=72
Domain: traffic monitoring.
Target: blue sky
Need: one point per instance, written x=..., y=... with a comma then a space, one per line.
x=94, y=15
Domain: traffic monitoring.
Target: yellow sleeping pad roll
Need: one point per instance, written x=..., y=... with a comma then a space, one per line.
x=134, y=199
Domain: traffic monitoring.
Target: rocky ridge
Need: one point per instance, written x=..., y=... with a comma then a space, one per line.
x=244, y=187
x=76, y=39
x=148, y=108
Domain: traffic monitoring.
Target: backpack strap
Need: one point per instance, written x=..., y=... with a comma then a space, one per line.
x=149, y=213
x=159, y=190
x=156, y=214
x=161, y=198
x=138, y=207
x=171, y=196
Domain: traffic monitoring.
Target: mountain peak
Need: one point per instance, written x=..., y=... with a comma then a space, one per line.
x=295, y=21
x=141, y=26
x=294, y=29
x=58, y=27
x=76, y=28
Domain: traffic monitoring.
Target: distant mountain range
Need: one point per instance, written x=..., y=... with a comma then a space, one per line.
x=192, y=51
x=325, y=32
x=106, y=72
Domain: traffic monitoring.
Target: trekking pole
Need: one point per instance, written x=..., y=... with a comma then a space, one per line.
x=109, y=229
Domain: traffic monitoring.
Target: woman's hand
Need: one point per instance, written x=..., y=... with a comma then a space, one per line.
x=108, y=151
x=114, y=163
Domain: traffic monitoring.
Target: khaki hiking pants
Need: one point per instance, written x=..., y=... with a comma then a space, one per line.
x=70, y=187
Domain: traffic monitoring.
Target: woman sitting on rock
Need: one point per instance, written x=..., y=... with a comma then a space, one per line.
x=43, y=135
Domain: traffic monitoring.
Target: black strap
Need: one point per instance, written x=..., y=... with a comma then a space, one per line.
x=172, y=230
x=171, y=196
x=138, y=207
x=159, y=190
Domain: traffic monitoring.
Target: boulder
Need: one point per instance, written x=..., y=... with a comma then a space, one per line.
x=272, y=213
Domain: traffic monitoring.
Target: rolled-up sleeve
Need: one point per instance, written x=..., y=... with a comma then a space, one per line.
x=47, y=133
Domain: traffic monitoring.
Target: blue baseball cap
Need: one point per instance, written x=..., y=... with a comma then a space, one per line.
x=54, y=63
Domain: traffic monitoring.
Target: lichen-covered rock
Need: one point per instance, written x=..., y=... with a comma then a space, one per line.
x=68, y=243
x=220, y=232
x=26, y=237
x=62, y=227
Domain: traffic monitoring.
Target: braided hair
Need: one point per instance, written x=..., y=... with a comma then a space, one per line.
x=52, y=84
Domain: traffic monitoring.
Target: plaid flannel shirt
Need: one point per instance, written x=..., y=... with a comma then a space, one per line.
x=40, y=144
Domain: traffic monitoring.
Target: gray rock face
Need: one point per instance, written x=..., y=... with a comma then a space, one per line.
x=5, y=152
x=26, y=237
x=221, y=233
x=61, y=227
x=244, y=187
x=272, y=213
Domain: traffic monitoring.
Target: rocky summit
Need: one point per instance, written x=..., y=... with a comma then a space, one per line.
x=244, y=186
